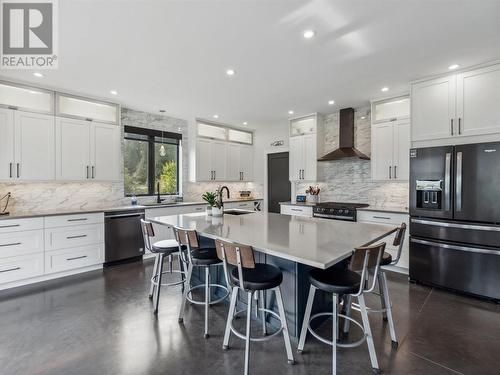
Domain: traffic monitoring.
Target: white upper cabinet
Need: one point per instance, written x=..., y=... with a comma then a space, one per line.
x=6, y=144
x=478, y=101
x=306, y=140
x=402, y=145
x=211, y=160
x=433, y=109
x=391, y=110
x=239, y=136
x=457, y=106
x=86, y=109
x=239, y=162
x=105, y=152
x=246, y=162
x=26, y=98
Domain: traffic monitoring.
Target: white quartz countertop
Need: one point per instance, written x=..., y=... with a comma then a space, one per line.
x=314, y=242
x=55, y=211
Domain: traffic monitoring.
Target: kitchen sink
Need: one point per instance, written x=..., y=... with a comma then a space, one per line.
x=238, y=212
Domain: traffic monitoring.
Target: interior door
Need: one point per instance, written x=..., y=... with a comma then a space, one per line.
x=401, y=151
x=6, y=144
x=72, y=149
x=105, y=153
x=477, y=182
x=204, y=171
x=34, y=146
x=310, y=157
x=433, y=109
x=382, y=151
x=233, y=162
x=246, y=162
x=478, y=101
x=278, y=184
x=296, y=158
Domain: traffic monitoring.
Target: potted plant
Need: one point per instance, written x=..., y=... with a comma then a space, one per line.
x=211, y=199
x=217, y=209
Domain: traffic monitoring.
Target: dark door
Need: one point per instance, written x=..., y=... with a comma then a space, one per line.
x=278, y=184
x=477, y=182
x=431, y=182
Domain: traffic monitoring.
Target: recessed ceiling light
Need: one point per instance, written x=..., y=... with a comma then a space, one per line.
x=384, y=89
x=245, y=123
x=453, y=66
x=230, y=72
x=290, y=112
x=38, y=74
x=179, y=129
x=331, y=102
x=113, y=92
x=363, y=117
x=308, y=34
x=216, y=116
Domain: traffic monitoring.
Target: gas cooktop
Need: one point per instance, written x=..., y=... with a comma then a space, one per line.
x=337, y=210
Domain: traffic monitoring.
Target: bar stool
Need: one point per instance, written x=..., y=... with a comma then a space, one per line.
x=349, y=282
x=196, y=256
x=242, y=273
x=162, y=249
x=385, y=299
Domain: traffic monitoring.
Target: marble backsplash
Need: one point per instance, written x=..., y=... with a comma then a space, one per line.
x=349, y=180
x=42, y=196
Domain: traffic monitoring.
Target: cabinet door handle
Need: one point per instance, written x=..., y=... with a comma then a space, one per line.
x=80, y=219
x=18, y=170
x=395, y=172
x=451, y=126
x=10, y=170
x=390, y=172
x=74, y=237
x=10, y=269
x=87, y=171
x=459, y=126
x=9, y=226
x=93, y=171
x=215, y=175
x=75, y=258
x=382, y=217
x=10, y=244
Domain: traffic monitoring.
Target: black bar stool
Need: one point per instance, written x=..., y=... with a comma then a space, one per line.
x=196, y=256
x=242, y=273
x=385, y=299
x=352, y=282
x=162, y=249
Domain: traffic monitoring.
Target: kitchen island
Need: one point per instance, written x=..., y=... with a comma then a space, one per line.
x=294, y=244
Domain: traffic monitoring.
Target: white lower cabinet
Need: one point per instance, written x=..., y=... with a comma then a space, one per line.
x=73, y=236
x=390, y=218
x=21, y=267
x=296, y=210
x=21, y=243
x=68, y=259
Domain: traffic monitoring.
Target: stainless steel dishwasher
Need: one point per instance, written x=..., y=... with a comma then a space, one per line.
x=123, y=236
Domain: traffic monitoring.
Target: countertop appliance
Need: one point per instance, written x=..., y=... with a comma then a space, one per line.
x=337, y=210
x=455, y=217
x=123, y=236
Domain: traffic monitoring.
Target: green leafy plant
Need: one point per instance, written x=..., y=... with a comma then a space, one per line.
x=210, y=198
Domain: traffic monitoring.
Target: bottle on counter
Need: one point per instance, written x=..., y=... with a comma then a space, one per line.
x=133, y=200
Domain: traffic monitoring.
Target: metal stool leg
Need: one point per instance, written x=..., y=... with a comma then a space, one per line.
x=334, y=334
x=230, y=315
x=286, y=336
x=307, y=316
x=388, y=307
x=207, y=298
x=181, y=267
x=186, y=291
x=347, y=312
x=368, y=333
x=263, y=312
x=247, y=338
x=170, y=265
x=158, y=287
x=382, y=297
x=155, y=270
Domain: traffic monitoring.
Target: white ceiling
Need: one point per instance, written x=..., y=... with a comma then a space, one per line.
x=174, y=54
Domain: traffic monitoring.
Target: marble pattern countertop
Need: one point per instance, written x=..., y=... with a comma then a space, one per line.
x=55, y=212
x=314, y=242
x=391, y=209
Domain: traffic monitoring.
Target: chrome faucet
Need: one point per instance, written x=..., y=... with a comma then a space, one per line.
x=219, y=193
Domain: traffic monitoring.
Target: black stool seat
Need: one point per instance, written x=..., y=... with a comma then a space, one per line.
x=335, y=280
x=262, y=277
x=205, y=256
x=386, y=259
x=165, y=246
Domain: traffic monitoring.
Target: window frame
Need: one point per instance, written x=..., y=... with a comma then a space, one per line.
x=151, y=142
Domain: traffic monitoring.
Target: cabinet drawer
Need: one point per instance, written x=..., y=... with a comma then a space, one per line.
x=67, y=259
x=296, y=210
x=21, y=243
x=174, y=210
x=193, y=209
x=67, y=220
x=16, y=225
x=21, y=267
x=381, y=217
x=241, y=205
x=74, y=236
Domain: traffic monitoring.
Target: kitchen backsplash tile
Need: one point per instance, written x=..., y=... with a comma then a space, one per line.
x=349, y=180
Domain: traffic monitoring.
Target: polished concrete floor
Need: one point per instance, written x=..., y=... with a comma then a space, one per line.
x=101, y=323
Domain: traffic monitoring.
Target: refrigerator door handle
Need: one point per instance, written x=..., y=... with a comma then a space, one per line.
x=458, y=192
x=447, y=181
x=455, y=247
x=457, y=225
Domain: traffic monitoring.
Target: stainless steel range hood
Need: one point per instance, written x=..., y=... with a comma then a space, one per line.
x=346, y=139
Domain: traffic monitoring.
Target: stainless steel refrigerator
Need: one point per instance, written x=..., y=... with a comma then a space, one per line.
x=455, y=218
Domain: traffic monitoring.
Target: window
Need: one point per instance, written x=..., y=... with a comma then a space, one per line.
x=151, y=157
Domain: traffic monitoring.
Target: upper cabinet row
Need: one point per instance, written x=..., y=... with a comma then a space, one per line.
x=35, y=145
x=223, y=154
x=458, y=105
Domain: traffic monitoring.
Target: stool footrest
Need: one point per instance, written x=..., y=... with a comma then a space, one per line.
x=154, y=279
x=330, y=342
x=193, y=301
x=256, y=339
